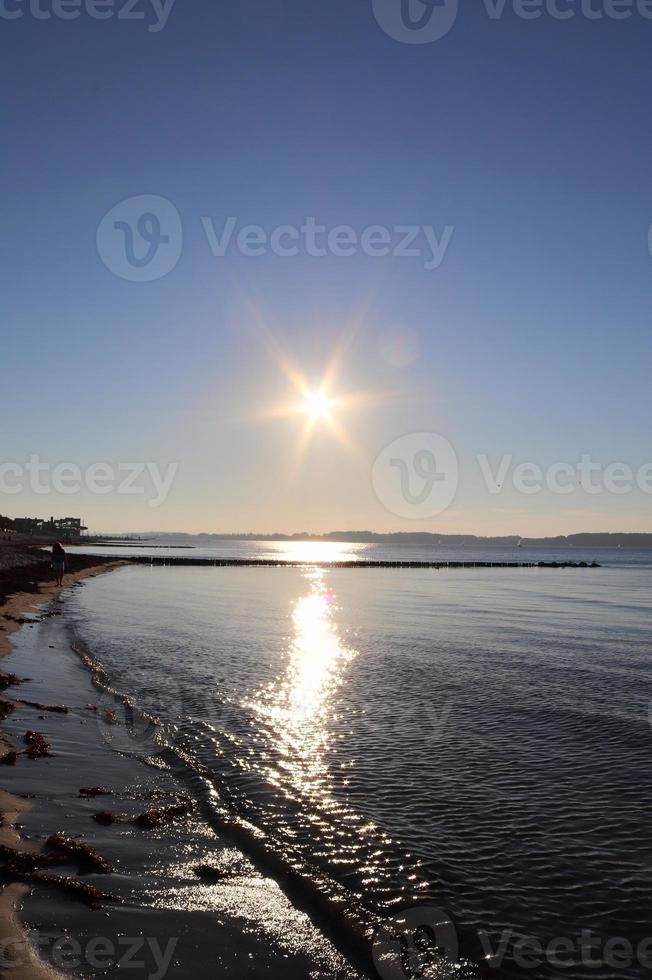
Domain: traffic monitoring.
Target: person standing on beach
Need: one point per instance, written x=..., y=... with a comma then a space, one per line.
x=59, y=562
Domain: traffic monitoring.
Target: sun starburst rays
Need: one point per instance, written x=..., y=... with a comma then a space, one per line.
x=318, y=404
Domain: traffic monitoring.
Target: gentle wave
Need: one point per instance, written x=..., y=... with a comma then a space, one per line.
x=471, y=741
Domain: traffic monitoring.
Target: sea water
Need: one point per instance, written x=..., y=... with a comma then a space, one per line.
x=475, y=741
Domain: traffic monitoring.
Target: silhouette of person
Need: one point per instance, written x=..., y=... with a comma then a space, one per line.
x=59, y=562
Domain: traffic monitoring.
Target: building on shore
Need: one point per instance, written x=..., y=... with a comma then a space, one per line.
x=64, y=528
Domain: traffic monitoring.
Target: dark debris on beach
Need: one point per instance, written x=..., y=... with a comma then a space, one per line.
x=6, y=708
x=81, y=890
x=27, y=865
x=25, y=567
x=37, y=746
x=155, y=817
x=209, y=873
x=105, y=818
x=9, y=680
x=163, y=815
x=75, y=851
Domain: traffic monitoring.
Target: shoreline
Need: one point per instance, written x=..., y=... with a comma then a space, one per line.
x=16, y=947
x=19, y=605
x=242, y=912
x=15, y=607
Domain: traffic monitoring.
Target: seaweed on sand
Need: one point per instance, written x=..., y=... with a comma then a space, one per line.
x=106, y=818
x=9, y=680
x=37, y=746
x=21, y=862
x=95, y=791
x=208, y=873
x=74, y=888
x=6, y=707
x=58, y=708
x=75, y=851
x=150, y=818
x=163, y=815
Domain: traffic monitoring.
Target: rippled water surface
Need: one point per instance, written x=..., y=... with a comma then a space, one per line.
x=477, y=739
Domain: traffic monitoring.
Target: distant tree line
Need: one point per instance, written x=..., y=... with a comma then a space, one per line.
x=598, y=539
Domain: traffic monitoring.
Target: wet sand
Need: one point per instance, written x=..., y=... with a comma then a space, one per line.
x=26, y=588
x=163, y=919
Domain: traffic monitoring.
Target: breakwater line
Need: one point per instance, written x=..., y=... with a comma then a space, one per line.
x=178, y=561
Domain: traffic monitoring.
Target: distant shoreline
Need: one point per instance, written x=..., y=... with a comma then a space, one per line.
x=424, y=538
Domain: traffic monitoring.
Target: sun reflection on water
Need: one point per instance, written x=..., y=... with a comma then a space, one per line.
x=317, y=551
x=297, y=707
x=291, y=759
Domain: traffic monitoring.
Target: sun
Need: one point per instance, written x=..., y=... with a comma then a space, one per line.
x=318, y=405
x=314, y=401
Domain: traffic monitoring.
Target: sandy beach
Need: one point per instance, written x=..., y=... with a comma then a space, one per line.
x=149, y=884
x=27, y=582
x=26, y=587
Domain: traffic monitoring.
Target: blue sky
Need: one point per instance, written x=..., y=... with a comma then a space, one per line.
x=530, y=138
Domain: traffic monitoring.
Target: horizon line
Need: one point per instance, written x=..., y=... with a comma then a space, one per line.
x=368, y=533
